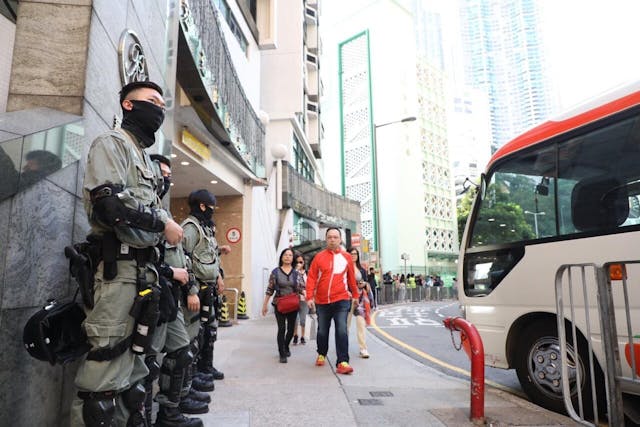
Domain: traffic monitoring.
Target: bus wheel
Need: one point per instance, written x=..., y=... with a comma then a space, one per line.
x=539, y=371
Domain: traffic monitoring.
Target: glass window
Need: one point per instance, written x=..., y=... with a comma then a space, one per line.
x=599, y=179
x=301, y=162
x=519, y=201
x=226, y=13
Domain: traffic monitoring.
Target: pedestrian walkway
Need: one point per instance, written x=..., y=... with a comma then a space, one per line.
x=389, y=389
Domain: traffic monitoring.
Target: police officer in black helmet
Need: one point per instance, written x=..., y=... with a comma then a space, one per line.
x=171, y=334
x=200, y=243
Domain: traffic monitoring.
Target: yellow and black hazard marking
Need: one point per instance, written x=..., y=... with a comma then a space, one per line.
x=242, y=306
x=224, y=313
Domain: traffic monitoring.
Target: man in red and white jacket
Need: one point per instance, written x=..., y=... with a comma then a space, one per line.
x=331, y=283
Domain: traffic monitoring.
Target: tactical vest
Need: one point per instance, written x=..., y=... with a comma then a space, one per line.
x=205, y=262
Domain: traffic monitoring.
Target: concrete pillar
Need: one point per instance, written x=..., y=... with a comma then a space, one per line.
x=50, y=55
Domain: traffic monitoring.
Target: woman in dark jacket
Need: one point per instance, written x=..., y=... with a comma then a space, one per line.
x=362, y=308
x=283, y=281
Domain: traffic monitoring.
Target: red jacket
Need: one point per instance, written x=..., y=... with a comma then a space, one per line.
x=330, y=277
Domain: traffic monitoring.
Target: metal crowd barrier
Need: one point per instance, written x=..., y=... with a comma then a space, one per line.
x=388, y=294
x=599, y=283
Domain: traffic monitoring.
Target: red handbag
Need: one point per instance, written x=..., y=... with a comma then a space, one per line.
x=288, y=303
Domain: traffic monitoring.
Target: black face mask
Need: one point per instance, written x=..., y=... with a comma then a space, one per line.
x=144, y=119
x=166, y=186
x=206, y=217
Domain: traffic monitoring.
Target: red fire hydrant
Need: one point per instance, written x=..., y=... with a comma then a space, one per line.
x=472, y=343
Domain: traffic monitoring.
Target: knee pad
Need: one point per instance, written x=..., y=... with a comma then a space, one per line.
x=154, y=368
x=98, y=411
x=182, y=356
x=133, y=397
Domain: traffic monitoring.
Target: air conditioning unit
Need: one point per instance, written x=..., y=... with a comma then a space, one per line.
x=310, y=15
x=311, y=59
x=313, y=108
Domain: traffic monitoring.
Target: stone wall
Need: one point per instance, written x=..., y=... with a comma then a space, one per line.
x=65, y=58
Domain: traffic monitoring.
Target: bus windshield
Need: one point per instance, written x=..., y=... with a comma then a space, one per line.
x=583, y=186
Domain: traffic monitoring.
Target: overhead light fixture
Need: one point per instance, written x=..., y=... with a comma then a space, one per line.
x=172, y=184
x=173, y=156
x=184, y=163
x=213, y=181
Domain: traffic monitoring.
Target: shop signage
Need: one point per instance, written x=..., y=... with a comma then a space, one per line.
x=233, y=235
x=194, y=144
x=131, y=58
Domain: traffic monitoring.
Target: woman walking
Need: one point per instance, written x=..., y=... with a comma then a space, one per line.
x=300, y=267
x=284, y=281
x=362, y=309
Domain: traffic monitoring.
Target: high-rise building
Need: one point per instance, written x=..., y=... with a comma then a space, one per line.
x=389, y=96
x=504, y=57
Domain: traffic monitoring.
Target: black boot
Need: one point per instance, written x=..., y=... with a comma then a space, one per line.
x=217, y=375
x=199, y=396
x=211, y=374
x=201, y=385
x=190, y=406
x=172, y=417
x=205, y=376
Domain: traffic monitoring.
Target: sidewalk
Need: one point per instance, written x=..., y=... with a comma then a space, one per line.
x=389, y=389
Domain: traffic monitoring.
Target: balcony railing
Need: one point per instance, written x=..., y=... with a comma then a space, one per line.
x=200, y=24
x=312, y=201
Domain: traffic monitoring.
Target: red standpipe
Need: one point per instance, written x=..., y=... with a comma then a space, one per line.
x=475, y=350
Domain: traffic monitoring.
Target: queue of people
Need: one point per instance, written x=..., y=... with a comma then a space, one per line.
x=414, y=287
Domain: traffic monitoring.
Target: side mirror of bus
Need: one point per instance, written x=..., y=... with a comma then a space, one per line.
x=542, y=190
x=467, y=184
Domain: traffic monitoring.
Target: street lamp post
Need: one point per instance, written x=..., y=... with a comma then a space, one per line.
x=426, y=257
x=405, y=257
x=535, y=219
x=376, y=191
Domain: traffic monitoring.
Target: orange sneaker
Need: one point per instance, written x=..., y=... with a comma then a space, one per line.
x=344, y=368
x=320, y=360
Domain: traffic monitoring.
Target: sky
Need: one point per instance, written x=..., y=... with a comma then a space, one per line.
x=592, y=46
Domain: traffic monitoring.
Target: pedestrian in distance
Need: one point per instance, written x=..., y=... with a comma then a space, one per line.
x=373, y=285
x=300, y=266
x=127, y=222
x=330, y=283
x=361, y=309
x=284, y=280
x=402, y=289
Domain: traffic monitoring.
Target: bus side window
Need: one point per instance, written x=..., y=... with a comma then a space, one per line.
x=599, y=203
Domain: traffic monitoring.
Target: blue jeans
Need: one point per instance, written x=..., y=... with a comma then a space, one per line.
x=337, y=311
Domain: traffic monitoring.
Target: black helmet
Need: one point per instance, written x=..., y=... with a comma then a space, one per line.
x=201, y=196
x=54, y=334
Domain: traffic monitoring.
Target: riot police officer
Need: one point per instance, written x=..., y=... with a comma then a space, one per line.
x=201, y=244
x=127, y=222
x=171, y=334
